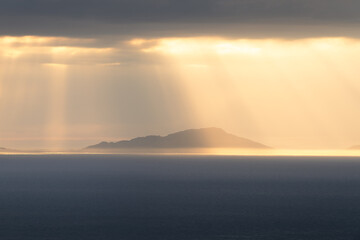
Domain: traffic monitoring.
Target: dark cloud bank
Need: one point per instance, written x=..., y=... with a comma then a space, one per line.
x=252, y=18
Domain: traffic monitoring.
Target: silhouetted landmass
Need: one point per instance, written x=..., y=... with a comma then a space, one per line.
x=8, y=150
x=193, y=138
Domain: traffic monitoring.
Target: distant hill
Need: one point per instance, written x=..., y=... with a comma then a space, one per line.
x=192, y=138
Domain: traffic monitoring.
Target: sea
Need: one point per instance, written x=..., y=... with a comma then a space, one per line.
x=178, y=197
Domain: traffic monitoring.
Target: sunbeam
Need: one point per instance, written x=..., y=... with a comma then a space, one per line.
x=276, y=91
x=56, y=126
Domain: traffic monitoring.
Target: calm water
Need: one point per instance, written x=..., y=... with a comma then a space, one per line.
x=107, y=197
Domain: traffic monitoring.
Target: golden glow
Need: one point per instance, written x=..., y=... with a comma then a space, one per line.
x=237, y=48
x=138, y=41
x=184, y=46
x=75, y=51
x=41, y=41
x=235, y=152
x=279, y=92
x=287, y=94
x=213, y=45
x=46, y=49
x=28, y=40
x=56, y=127
x=34, y=71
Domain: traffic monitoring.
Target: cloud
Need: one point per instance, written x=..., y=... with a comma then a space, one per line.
x=256, y=18
x=54, y=50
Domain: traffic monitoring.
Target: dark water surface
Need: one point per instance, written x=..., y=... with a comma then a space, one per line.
x=107, y=197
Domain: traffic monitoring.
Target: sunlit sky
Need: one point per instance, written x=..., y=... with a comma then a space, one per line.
x=289, y=86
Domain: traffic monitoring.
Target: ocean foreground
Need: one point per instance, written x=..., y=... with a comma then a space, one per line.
x=178, y=197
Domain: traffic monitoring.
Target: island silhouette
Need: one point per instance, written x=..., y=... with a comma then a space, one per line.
x=191, y=138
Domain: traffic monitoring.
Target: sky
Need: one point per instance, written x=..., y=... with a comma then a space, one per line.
x=281, y=72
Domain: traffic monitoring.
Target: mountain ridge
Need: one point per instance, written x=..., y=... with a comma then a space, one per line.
x=190, y=138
